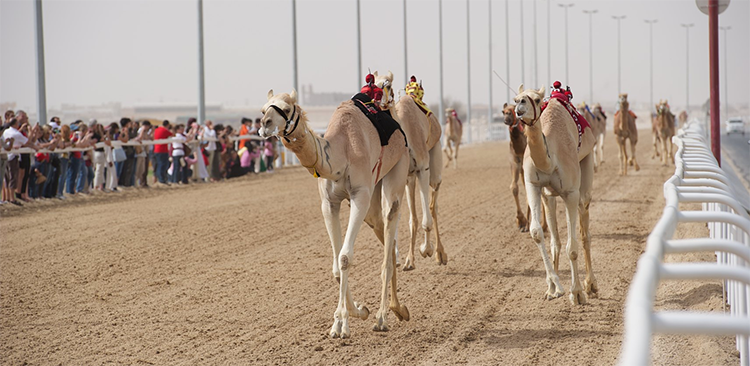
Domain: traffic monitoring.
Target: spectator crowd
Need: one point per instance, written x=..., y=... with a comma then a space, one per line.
x=196, y=153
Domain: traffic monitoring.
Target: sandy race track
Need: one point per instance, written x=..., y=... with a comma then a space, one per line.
x=240, y=273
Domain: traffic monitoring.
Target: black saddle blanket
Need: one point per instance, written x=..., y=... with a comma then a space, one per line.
x=382, y=120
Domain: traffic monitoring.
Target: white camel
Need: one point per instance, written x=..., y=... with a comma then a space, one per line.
x=426, y=166
x=454, y=131
x=352, y=165
x=558, y=162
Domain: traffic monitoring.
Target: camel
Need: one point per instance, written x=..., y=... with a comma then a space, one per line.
x=352, y=165
x=602, y=120
x=665, y=129
x=683, y=118
x=598, y=126
x=517, y=149
x=655, y=138
x=625, y=129
x=426, y=166
x=453, y=132
x=558, y=162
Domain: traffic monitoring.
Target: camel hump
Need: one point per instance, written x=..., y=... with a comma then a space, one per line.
x=435, y=131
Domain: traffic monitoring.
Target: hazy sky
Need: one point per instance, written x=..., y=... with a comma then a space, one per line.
x=146, y=51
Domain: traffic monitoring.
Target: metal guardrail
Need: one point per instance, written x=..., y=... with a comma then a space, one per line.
x=697, y=178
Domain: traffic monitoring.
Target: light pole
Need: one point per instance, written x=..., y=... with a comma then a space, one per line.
x=566, y=6
x=507, y=53
x=726, y=72
x=201, y=80
x=41, y=90
x=650, y=23
x=440, y=35
x=591, y=53
x=619, y=78
x=359, y=48
x=523, y=62
x=489, y=25
x=294, y=48
x=406, y=63
x=468, y=69
x=549, y=52
x=687, y=65
x=536, y=55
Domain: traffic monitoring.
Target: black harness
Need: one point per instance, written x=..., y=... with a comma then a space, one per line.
x=288, y=120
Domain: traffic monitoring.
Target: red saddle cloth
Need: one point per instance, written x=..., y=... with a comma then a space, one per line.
x=581, y=122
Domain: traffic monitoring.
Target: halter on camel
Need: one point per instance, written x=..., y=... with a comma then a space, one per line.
x=288, y=132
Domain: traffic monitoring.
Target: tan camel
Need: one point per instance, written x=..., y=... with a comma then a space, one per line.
x=665, y=129
x=597, y=127
x=426, y=166
x=625, y=129
x=683, y=118
x=601, y=118
x=655, y=138
x=517, y=149
x=454, y=130
x=558, y=162
x=352, y=165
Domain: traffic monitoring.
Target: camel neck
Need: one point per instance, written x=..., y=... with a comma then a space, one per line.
x=311, y=150
x=537, y=146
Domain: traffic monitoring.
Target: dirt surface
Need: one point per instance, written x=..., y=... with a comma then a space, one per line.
x=240, y=273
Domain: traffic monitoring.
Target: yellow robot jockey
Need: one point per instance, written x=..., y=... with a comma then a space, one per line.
x=416, y=91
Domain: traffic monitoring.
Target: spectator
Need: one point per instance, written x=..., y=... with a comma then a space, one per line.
x=4, y=146
x=214, y=159
x=25, y=162
x=54, y=178
x=100, y=155
x=64, y=142
x=40, y=170
x=127, y=167
x=161, y=151
x=141, y=155
x=245, y=129
x=270, y=153
x=110, y=174
x=179, y=170
x=13, y=135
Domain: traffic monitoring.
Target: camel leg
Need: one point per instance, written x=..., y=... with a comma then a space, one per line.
x=360, y=203
x=655, y=141
x=455, y=154
x=550, y=209
x=410, y=192
x=534, y=196
x=392, y=195
x=571, y=214
x=632, y=151
x=331, y=208
x=587, y=181
x=521, y=221
x=435, y=180
x=623, y=156
x=667, y=152
x=423, y=179
x=448, y=151
x=596, y=153
x=600, y=146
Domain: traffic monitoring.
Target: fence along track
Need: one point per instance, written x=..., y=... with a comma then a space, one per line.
x=697, y=178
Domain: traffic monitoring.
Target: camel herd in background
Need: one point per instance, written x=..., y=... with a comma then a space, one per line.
x=551, y=154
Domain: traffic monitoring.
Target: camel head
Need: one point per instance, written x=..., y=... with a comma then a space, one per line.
x=509, y=114
x=662, y=107
x=385, y=82
x=280, y=114
x=582, y=107
x=529, y=104
x=622, y=101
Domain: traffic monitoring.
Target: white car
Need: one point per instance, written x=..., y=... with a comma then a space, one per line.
x=735, y=125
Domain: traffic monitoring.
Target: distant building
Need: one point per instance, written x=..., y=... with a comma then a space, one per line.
x=311, y=98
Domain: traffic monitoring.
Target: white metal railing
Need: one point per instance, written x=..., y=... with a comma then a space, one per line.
x=697, y=178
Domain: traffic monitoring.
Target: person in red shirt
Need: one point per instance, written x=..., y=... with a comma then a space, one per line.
x=373, y=91
x=161, y=151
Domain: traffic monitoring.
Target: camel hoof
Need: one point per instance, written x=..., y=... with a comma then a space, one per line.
x=441, y=258
x=637, y=167
x=337, y=330
x=425, y=250
x=408, y=266
x=380, y=328
x=577, y=297
x=592, y=289
x=402, y=313
x=382, y=323
x=552, y=296
x=364, y=311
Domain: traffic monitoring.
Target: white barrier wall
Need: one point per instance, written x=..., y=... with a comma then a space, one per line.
x=697, y=178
